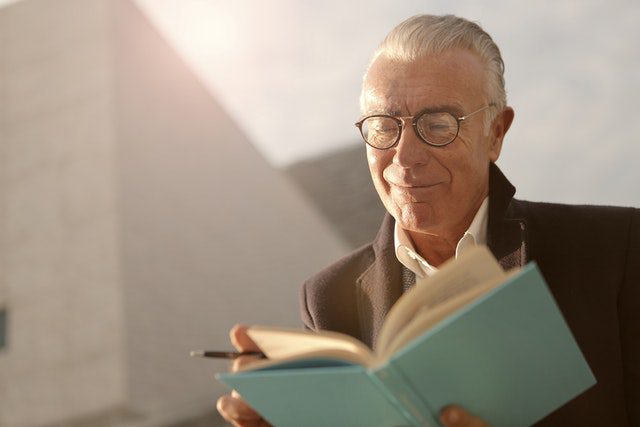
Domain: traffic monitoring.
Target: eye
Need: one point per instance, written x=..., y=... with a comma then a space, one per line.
x=380, y=131
x=384, y=129
x=439, y=127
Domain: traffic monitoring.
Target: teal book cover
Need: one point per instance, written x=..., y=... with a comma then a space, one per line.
x=508, y=357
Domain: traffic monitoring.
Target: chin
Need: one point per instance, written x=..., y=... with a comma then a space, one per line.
x=417, y=217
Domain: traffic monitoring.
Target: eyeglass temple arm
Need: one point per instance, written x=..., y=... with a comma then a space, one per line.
x=477, y=111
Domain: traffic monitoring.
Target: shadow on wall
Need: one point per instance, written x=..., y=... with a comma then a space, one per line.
x=339, y=185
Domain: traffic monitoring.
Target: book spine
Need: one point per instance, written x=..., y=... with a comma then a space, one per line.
x=401, y=395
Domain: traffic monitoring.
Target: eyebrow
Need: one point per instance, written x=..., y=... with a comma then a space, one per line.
x=455, y=109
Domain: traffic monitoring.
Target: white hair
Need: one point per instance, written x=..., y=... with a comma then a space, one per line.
x=423, y=35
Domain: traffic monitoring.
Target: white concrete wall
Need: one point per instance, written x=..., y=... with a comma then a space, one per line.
x=137, y=222
x=212, y=234
x=59, y=250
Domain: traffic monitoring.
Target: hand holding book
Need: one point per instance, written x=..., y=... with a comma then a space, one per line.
x=491, y=341
x=231, y=406
x=240, y=414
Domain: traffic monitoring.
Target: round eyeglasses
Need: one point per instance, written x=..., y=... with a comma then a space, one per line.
x=383, y=131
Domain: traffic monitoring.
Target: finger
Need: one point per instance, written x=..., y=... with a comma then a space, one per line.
x=455, y=416
x=241, y=340
x=236, y=411
x=242, y=361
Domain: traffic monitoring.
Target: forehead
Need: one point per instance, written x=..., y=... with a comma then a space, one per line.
x=454, y=78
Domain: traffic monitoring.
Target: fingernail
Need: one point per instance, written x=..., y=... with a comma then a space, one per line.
x=453, y=416
x=221, y=404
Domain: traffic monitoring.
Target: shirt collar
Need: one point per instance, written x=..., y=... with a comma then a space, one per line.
x=406, y=253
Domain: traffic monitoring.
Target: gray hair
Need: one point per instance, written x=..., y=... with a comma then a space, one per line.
x=423, y=35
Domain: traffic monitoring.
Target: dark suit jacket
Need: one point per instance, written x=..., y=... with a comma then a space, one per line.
x=590, y=257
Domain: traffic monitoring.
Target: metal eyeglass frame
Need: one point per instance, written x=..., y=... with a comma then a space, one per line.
x=414, y=123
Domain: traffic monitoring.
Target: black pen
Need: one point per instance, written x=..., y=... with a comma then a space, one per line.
x=226, y=354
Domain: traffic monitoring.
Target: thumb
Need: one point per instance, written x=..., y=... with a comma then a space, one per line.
x=455, y=416
x=240, y=339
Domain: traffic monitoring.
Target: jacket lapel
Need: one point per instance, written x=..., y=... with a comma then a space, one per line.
x=507, y=233
x=380, y=286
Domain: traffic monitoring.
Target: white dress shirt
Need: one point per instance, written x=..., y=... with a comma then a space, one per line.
x=409, y=257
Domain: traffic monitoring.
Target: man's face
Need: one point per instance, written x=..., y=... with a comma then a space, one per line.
x=432, y=190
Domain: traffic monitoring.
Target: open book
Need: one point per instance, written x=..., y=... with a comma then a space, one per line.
x=491, y=341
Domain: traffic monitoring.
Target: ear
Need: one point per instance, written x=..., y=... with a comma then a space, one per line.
x=499, y=128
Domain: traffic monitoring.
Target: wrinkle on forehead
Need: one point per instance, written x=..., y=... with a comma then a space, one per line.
x=396, y=88
x=377, y=102
x=410, y=102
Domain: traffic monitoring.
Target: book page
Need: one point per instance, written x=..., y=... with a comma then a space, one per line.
x=312, y=359
x=288, y=343
x=428, y=317
x=454, y=278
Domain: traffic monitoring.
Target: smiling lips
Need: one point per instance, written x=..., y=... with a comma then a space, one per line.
x=411, y=187
x=413, y=193
x=408, y=183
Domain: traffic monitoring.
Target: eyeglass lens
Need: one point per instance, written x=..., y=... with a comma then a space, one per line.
x=435, y=128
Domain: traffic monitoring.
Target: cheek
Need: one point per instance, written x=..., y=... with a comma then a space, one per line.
x=477, y=149
x=372, y=158
x=470, y=157
x=377, y=163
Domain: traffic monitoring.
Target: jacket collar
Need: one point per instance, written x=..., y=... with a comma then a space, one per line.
x=382, y=283
x=380, y=286
x=506, y=231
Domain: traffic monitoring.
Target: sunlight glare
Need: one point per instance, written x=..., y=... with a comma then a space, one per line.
x=205, y=28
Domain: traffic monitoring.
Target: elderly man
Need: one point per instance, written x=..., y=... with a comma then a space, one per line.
x=434, y=119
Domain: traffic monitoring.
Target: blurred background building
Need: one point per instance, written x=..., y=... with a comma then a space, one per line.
x=138, y=223
x=171, y=167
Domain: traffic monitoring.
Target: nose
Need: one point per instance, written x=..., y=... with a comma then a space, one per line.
x=410, y=150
